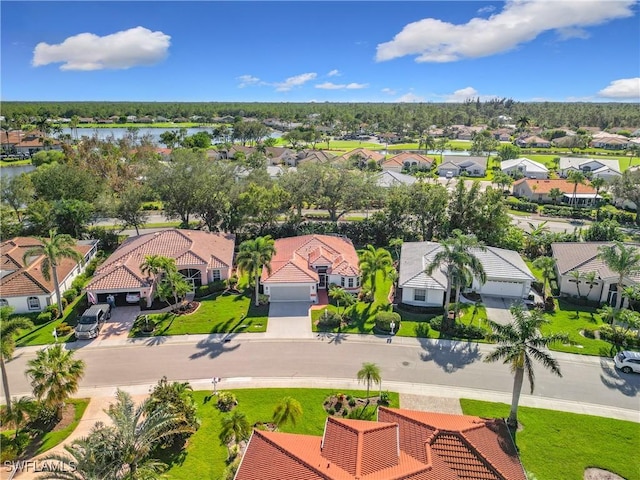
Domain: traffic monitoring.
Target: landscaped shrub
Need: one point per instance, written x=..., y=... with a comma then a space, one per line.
x=226, y=401
x=202, y=291
x=384, y=399
x=329, y=319
x=43, y=317
x=619, y=336
x=521, y=205
x=416, y=309
x=80, y=281
x=63, y=330
x=232, y=281
x=217, y=286
x=436, y=323
x=589, y=333
x=70, y=295
x=384, y=319
x=53, y=309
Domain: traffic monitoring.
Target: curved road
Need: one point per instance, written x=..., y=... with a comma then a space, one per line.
x=452, y=365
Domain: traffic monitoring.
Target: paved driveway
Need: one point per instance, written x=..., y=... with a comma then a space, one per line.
x=119, y=324
x=289, y=320
x=498, y=308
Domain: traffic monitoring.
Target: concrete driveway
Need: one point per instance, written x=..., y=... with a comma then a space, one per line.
x=289, y=320
x=498, y=308
x=118, y=326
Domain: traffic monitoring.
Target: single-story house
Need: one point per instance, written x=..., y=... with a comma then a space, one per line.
x=507, y=274
x=389, y=178
x=27, y=143
x=525, y=168
x=362, y=156
x=314, y=156
x=538, y=191
x=274, y=171
x=301, y=266
x=275, y=155
x=201, y=257
x=598, y=168
x=23, y=286
x=533, y=142
x=401, y=445
x=617, y=142
x=583, y=257
x=406, y=161
x=454, y=165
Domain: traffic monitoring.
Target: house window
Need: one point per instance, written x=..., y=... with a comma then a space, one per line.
x=216, y=275
x=350, y=282
x=342, y=281
x=3, y=302
x=33, y=303
x=419, y=295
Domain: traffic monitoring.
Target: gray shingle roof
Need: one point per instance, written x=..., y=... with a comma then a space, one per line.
x=583, y=257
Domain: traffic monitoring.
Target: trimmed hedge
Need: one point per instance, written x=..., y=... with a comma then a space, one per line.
x=329, y=319
x=521, y=205
x=384, y=319
x=42, y=318
x=619, y=336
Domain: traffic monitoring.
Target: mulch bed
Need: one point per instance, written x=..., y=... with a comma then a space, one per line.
x=340, y=404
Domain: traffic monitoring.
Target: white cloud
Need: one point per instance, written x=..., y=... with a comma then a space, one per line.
x=248, y=80
x=487, y=9
x=389, y=91
x=295, y=81
x=333, y=73
x=521, y=21
x=623, y=89
x=462, y=95
x=341, y=86
x=87, y=51
x=410, y=98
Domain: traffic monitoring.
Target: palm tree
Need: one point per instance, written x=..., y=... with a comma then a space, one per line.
x=173, y=284
x=523, y=122
x=55, y=248
x=253, y=256
x=598, y=183
x=369, y=373
x=372, y=261
x=54, y=376
x=20, y=412
x=577, y=178
x=554, y=194
x=234, y=427
x=548, y=267
x=534, y=238
x=623, y=260
x=591, y=279
x=519, y=344
x=396, y=244
x=576, y=277
x=152, y=265
x=8, y=328
x=288, y=410
x=340, y=295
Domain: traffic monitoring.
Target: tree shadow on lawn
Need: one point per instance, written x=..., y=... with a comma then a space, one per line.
x=626, y=383
x=449, y=355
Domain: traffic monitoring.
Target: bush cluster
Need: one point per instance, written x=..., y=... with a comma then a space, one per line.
x=208, y=289
x=42, y=318
x=619, y=336
x=329, y=319
x=384, y=319
x=458, y=329
x=226, y=401
x=63, y=329
x=70, y=295
x=521, y=205
x=569, y=212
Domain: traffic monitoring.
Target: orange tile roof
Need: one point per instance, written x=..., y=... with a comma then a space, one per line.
x=18, y=279
x=407, y=156
x=187, y=247
x=403, y=444
x=295, y=257
x=363, y=153
x=545, y=186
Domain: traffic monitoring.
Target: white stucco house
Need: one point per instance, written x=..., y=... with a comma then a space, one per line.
x=525, y=168
x=23, y=286
x=507, y=274
x=455, y=165
x=597, y=168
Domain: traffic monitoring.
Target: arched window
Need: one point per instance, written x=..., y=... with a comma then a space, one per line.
x=193, y=276
x=33, y=303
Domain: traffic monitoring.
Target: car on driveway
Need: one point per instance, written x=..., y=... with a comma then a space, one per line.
x=628, y=361
x=91, y=321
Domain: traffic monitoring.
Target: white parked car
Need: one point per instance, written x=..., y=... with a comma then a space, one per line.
x=132, y=297
x=628, y=361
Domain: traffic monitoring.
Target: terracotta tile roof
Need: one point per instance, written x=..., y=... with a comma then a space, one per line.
x=363, y=153
x=545, y=186
x=403, y=444
x=407, y=157
x=295, y=257
x=18, y=279
x=187, y=247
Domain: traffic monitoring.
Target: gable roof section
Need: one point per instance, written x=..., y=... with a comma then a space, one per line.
x=187, y=247
x=292, y=262
x=583, y=257
x=18, y=279
x=463, y=161
x=363, y=153
x=578, y=163
x=529, y=165
x=387, y=178
x=401, y=158
x=544, y=186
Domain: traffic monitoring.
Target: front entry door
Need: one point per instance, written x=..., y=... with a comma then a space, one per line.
x=323, y=281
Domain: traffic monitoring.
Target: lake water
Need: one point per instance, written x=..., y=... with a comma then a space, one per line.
x=429, y=152
x=118, y=133
x=15, y=170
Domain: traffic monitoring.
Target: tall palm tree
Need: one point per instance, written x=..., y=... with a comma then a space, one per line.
x=523, y=122
x=577, y=178
x=576, y=277
x=341, y=296
x=253, y=256
x=288, y=410
x=519, y=344
x=598, y=183
x=591, y=279
x=534, y=237
x=372, y=261
x=623, y=260
x=554, y=194
x=20, y=412
x=55, y=376
x=547, y=265
x=234, y=428
x=369, y=373
x=9, y=326
x=55, y=248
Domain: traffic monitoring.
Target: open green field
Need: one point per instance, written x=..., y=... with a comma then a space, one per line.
x=559, y=446
x=221, y=313
x=15, y=163
x=205, y=456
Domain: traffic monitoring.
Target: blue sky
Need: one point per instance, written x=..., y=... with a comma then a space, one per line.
x=424, y=51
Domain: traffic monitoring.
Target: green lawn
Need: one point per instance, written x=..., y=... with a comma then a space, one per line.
x=221, y=313
x=51, y=439
x=5, y=163
x=204, y=457
x=559, y=446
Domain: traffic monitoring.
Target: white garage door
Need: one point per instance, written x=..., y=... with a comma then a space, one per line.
x=502, y=289
x=289, y=294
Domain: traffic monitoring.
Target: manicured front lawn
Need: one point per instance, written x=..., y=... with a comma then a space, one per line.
x=53, y=438
x=559, y=446
x=205, y=457
x=221, y=313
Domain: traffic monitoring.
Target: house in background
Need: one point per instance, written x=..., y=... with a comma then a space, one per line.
x=314, y=156
x=539, y=190
x=201, y=257
x=388, y=178
x=362, y=156
x=24, y=287
x=303, y=266
x=533, y=141
x=454, y=165
x=407, y=161
x=401, y=445
x=596, y=168
x=523, y=167
x=507, y=274
x=583, y=257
